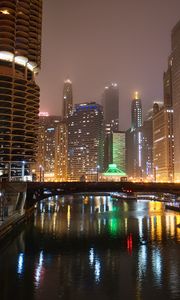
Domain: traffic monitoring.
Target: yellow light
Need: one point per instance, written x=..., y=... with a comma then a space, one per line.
x=5, y=12
x=68, y=216
x=136, y=95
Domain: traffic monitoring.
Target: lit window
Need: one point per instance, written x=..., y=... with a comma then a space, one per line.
x=4, y=12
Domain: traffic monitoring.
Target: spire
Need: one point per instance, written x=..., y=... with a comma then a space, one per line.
x=136, y=95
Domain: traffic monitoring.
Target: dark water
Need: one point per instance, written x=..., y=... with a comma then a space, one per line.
x=94, y=248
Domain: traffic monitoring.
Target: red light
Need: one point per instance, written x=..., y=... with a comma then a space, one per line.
x=129, y=243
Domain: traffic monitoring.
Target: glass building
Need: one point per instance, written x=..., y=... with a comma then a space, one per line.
x=119, y=149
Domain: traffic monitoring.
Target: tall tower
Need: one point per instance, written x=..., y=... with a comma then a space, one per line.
x=136, y=112
x=134, y=140
x=20, y=58
x=67, y=98
x=110, y=103
x=175, y=73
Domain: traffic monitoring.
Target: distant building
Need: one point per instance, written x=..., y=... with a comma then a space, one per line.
x=175, y=76
x=110, y=102
x=67, y=98
x=61, y=149
x=134, y=140
x=45, y=165
x=136, y=112
x=85, y=141
x=119, y=149
x=167, y=85
x=130, y=153
x=147, y=148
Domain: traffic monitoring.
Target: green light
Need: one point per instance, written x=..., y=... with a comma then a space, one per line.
x=114, y=171
x=113, y=226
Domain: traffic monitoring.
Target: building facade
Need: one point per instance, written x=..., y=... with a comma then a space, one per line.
x=20, y=59
x=47, y=147
x=175, y=75
x=147, y=149
x=67, y=98
x=85, y=141
x=119, y=150
x=134, y=140
x=61, y=150
x=110, y=102
x=163, y=145
x=136, y=112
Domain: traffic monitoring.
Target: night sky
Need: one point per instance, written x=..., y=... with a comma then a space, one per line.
x=96, y=42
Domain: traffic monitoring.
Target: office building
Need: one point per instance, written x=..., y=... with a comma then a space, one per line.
x=67, y=98
x=175, y=76
x=134, y=140
x=147, y=147
x=20, y=59
x=136, y=112
x=61, y=149
x=110, y=102
x=85, y=141
x=119, y=150
x=163, y=145
x=47, y=147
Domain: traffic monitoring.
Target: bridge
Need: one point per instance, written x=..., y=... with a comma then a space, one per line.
x=20, y=195
x=37, y=191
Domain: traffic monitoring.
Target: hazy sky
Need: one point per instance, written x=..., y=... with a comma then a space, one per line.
x=96, y=42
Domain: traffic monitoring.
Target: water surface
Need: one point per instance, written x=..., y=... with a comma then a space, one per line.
x=94, y=247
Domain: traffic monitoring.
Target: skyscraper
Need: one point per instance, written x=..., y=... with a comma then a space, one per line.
x=136, y=112
x=85, y=140
x=61, y=162
x=20, y=57
x=167, y=85
x=134, y=139
x=119, y=149
x=163, y=144
x=47, y=146
x=175, y=73
x=110, y=102
x=67, y=98
x=147, y=147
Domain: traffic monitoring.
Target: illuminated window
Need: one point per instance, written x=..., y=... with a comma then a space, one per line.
x=5, y=12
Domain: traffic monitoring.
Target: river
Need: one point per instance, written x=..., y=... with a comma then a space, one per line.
x=93, y=247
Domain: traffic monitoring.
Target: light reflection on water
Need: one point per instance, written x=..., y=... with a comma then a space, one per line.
x=95, y=247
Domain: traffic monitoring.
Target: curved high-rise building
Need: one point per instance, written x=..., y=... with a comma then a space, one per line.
x=20, y=57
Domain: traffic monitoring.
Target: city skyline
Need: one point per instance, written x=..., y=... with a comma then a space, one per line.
x=134, y=55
